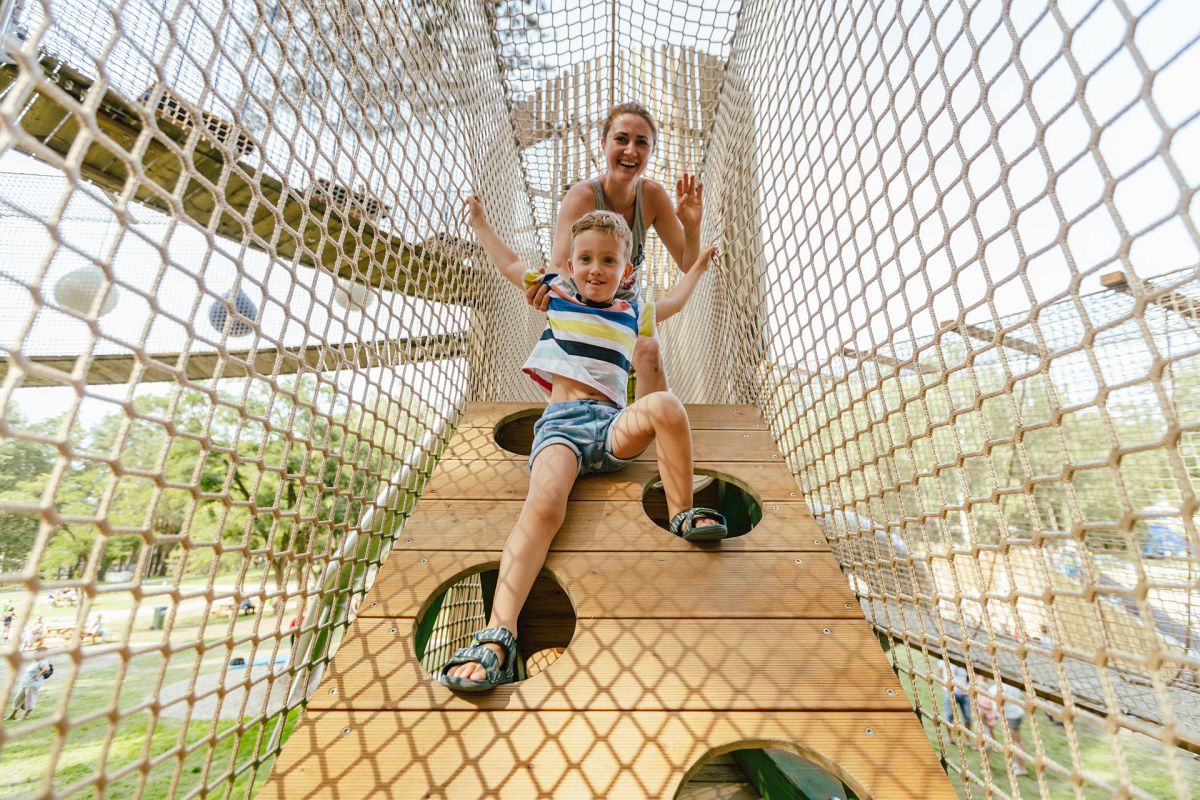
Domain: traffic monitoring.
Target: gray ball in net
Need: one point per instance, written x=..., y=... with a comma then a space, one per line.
x=219, y=316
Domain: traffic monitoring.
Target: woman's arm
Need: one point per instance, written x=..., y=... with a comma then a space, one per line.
x=578, y=201
x=681, y=292
x=677, y=226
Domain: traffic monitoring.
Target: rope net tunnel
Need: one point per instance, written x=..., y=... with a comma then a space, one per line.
x=242, y=319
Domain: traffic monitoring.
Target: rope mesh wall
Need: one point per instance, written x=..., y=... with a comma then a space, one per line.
x=242, y=315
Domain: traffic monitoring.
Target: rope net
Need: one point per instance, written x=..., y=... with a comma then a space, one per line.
x=958, y=276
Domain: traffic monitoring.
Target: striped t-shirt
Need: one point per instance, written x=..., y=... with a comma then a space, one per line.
x=589, y=344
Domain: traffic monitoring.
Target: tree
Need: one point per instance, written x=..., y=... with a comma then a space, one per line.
x=24, y=465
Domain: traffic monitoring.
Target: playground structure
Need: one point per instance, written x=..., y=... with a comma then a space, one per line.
x=956, y=314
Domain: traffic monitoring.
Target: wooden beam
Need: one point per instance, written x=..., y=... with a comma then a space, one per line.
x=1177, y=302
x=252, y=207
x=192, y=366
x=889, y=361
x=967, y=330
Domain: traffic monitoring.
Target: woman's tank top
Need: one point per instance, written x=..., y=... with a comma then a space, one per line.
x=639, y=236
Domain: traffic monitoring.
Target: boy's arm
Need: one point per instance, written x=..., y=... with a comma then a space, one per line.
x=508, y=262
x=674, y=301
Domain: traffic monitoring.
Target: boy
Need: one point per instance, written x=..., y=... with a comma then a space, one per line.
x=582, y=360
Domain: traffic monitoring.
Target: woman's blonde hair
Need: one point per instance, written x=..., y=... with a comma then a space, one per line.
x=629, y=108
x=606, y=222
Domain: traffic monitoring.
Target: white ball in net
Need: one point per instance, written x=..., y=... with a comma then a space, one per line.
x=237, y=324
x=76, y=291
x=350, y=295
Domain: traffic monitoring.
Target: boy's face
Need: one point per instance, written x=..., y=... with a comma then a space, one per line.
x=598, y=265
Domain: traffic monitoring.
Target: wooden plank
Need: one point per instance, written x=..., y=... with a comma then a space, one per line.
x=696, y=584
x=1178, y=302
x=595, y=525
x=509, y=480
x=979, y=332
x=250, y=207
x=345, y=755
x=702, y=416
x=470, y=444
x=197, y=366
x=710, y=790
x=643, y=664
x=719, y=778
x=881, y=359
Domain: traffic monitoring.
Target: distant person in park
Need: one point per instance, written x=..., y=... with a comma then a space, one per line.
x=628, y=137
x=1014, y=715
x=30, y=684
x=582, y=361
x=97, y=630
x=955, y=691
x=35, y=635
x=9, y=614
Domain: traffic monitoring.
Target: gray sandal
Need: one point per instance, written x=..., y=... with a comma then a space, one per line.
x=477, y=653
x=709, y=533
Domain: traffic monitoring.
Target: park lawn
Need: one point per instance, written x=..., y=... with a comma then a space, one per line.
x=1145, y=760
x=26, y=757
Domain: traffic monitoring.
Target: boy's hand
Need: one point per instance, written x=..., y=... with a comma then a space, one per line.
x=538, y=296
x=705, y=260
x=476, y=214
x=689, y=201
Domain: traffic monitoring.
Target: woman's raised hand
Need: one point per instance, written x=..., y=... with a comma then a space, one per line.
x=689, y=201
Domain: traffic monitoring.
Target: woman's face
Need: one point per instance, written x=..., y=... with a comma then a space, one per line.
x=628, y=146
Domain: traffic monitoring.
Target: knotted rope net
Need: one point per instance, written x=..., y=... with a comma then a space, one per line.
x=242, y=316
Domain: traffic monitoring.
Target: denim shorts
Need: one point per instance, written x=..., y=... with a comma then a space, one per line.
x=585, y=427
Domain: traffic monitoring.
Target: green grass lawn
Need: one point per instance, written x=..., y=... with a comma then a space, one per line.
x=1082, y=746
x=95, y=690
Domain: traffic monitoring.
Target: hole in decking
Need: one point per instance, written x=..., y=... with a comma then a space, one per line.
x=515, y=432
x=739, y=504
x=461, y=607
x=754, y=774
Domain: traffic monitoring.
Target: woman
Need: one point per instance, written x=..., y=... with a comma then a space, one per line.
x=628, y=137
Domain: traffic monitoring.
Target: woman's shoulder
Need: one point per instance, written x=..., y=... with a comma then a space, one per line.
x=581, y=190
x=655, y=196
x=578, y=200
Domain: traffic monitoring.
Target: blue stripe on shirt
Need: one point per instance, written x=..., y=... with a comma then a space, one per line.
x=627, y=318
x=584, y=350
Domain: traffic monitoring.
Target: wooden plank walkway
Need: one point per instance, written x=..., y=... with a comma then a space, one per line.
x=679, y=652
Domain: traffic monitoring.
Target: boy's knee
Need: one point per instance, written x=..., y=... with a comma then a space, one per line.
x=647, y=355
x=548, y=509
x=665, y=406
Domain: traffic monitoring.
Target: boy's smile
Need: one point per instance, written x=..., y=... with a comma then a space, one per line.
x=598, y=265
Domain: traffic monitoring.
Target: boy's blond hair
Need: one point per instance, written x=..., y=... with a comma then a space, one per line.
x=606, y=222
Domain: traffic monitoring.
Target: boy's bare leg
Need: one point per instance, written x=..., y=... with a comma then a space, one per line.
x=660, y=416
x=550, y=483
x=648, y=364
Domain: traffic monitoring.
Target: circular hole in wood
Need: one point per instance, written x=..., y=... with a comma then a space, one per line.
x=515, y=432
x=753, y=773
x=740, y=505
x=463, y=605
